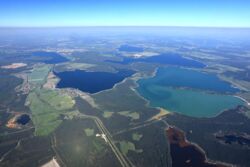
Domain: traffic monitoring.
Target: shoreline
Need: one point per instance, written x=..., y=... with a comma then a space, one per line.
x=247, y=103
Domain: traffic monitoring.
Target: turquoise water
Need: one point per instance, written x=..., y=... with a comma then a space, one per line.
x=197, y=103
x=180, y=77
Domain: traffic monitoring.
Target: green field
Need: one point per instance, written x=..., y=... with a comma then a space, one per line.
x=126, y=146
x=89, y=132
x=39, y=74
x=107, y=114
x=136, y=136
x=46, y=107
x=132, y=115
x=72, y=66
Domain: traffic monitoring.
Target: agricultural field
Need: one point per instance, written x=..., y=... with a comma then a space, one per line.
x=73, y=66
x=132, y=115
x=126, y=146
x=38, y=75
x=137, y=136
x=46, y=109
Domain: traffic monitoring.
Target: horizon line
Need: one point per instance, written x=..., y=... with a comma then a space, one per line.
x=127, y=26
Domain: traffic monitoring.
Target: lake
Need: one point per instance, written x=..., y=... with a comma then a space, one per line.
x=50, y=57
x=166, y=58
x=128, y=48
x=180, y=77
x=23, y=119
x=166, y=90
x=91, y=82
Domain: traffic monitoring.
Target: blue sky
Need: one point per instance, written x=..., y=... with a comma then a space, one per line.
x=208, y=13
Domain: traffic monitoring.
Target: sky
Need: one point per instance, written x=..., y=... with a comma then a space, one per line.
x=61, y=13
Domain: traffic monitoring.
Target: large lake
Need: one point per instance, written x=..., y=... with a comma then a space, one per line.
x=91, y=82
x=186, y=91
x=50, y=57
x=166, y=58
x=128, y=48
x=180, y=77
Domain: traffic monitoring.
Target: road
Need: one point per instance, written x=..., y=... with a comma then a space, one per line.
x=122, y=159
x=141, y=125
x=117, y=152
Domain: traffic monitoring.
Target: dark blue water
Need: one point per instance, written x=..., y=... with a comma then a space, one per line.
x=128, y=48
x=167, y=58
x=91, y=82
x=50, y=57
x=23, y=119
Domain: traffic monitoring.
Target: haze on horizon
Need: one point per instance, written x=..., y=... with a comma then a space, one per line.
x=60, y=13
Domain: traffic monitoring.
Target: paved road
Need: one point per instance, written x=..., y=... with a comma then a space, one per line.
x=122, y=159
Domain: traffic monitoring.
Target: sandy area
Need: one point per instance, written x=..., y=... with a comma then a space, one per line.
x=51, y=81
x=51, y=163
x=14, y=65
x=162, y=113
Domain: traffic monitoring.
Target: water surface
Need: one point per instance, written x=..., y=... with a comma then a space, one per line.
x=50, y=57
x=91, y=82
x=128, y=48
x=168, y=90
x=167, y=58
x=180, y=77
x=23, y=119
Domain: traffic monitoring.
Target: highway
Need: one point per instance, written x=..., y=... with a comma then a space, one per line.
x=122, y=159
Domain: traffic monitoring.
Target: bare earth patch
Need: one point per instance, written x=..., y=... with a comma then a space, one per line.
x=162, y=113
x=14, y=66
x=51, y=163
x=52, y=80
